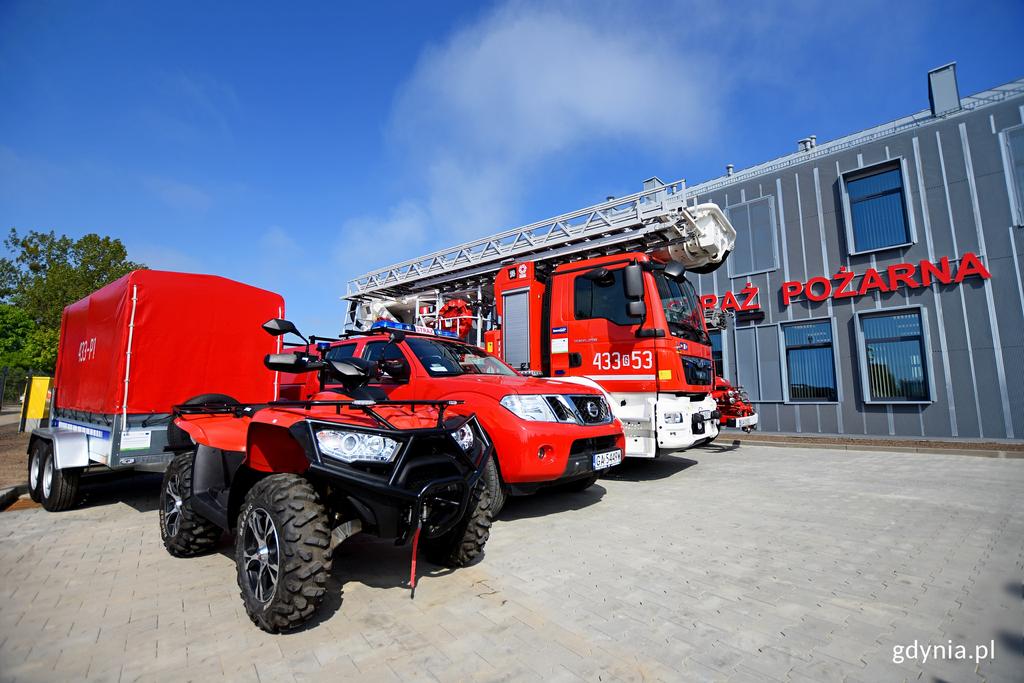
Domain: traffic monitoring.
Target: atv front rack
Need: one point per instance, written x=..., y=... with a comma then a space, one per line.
x=365, y=406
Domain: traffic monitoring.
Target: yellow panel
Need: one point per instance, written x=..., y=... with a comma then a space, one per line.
x=664, y=374
x=490, y=347
x=38, y=403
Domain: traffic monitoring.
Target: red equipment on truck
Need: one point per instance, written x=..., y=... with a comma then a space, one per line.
x=128, y=354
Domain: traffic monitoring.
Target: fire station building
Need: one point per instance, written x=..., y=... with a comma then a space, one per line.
x=876, y=283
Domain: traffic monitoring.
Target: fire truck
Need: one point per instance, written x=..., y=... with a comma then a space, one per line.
x=598, y=296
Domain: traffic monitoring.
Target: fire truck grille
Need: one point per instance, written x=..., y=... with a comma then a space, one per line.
x=592, y=410
x=697, y=370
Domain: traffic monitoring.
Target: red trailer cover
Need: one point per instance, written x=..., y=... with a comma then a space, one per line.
x=160, y=338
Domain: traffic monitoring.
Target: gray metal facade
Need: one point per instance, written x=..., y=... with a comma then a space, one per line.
x=959, y=189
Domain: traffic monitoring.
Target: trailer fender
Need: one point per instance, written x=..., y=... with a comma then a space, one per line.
x=70, y=448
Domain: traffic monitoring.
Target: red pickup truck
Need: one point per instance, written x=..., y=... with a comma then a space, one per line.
x=545, y=432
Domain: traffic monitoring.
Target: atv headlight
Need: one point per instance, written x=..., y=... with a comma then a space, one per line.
x=356, y=446
x=529, y=407
x=464, y=437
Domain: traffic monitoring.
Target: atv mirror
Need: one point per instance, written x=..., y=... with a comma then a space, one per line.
x=290, y=362
x=352, y=373
x=279, y=326
x=395, y=368
x=635, y=309
x=633, y=282
x=674, y=270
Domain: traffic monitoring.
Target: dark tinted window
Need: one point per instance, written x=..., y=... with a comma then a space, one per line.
x=341, y=351
x=605, y=299
x=809, y=359
x=877, y=209
x=895, y=357
x=375, y=350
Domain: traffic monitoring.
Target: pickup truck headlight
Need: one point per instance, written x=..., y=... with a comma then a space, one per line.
x=530, y=407
x=356, y=446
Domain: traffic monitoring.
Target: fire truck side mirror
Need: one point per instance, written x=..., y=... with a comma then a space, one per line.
x=674, y=270
x=633, y=282
x=635, y=309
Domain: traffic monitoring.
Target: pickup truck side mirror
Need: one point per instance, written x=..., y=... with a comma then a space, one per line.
x=674, y=270
x=395, y=368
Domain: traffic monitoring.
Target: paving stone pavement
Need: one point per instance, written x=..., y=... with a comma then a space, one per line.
x=750, y=564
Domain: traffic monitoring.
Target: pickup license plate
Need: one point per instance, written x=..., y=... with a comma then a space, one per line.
x=745, y=421
x=607, y=459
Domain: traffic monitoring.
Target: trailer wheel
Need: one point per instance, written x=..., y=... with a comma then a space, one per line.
x=466, y=540
x=184, y=532
x=36, y=455
x=58, y=489
x=283, y=552
x=177, y=438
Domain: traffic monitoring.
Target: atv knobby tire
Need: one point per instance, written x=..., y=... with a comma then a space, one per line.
x=184, y=531
x=58, y=489
x=283, y=551
x=465, y=541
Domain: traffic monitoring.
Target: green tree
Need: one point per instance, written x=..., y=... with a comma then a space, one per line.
x=41, y=275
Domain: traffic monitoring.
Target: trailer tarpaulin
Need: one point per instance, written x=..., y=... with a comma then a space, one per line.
x=154, y=339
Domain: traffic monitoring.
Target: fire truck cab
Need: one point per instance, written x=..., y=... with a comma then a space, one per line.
x=630, y=323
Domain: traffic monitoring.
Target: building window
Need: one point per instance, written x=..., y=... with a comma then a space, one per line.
x=876, y=208
x=759, y=363
x=810, y=361
x=1013, y=146
x=755, y=250
x=603, y=299
x=716, y=352
x=894, y=357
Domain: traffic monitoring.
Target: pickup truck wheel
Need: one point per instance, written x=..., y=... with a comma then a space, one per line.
x=466, y=540
x=184, y=532
x=495, y=487
x=58, y=489
x=35, y=470
x=283, y=552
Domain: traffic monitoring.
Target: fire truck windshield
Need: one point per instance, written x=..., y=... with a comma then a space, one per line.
x=447, y=359
x=682, y=308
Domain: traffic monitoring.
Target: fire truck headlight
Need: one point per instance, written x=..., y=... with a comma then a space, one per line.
x=356, y=446
x=529, y=407
x=673, y=418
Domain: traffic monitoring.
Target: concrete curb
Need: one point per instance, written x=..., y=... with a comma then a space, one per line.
x=11, y=494
x=977, y=453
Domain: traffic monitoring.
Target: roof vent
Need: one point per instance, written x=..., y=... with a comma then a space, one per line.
x=943, y=93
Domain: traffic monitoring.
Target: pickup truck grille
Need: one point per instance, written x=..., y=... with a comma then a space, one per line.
x=592, y=409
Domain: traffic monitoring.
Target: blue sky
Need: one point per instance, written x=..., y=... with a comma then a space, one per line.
x=294, y=149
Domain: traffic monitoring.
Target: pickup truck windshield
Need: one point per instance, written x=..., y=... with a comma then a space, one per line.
x=447, y=359
x=682, y=309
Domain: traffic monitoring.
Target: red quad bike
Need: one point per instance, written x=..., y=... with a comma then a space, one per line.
x=295, y=478
x=547, y=433
x=735, y=406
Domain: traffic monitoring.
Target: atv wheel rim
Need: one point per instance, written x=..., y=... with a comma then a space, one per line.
x=33, y=470
x=260, y=554
x=47, y=477
x=172, y=506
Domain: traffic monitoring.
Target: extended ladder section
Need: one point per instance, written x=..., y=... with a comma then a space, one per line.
x=699, y=236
